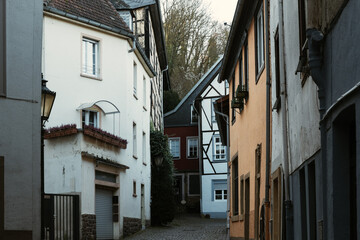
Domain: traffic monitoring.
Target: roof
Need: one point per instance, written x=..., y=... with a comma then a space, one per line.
x=101, y=11
x=244, y=13
x=131, y=4
x=180, y=115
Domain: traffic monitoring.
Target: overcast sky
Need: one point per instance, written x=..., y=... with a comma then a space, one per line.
x=222, y=10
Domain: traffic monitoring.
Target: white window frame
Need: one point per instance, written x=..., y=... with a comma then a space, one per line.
x=182, y=185
x=222, y=195
x=219, y=181
x=214, y=149
x=188, y=182
x=192, y=109
x=188, y=139
x=85, y=113
x=135, y=79
x=92, y=70
x=173, y=139
x=260, y=40
x=134, y=141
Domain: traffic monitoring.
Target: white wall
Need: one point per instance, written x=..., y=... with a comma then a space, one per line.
x=62, y=68
x=208, y=204
x=20, y=117
x=302, y=101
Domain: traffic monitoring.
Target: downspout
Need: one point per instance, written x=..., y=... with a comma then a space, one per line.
x=315, y=39
x=134, y=45
x=287, y=202
x=267, y=167
x=227, y=166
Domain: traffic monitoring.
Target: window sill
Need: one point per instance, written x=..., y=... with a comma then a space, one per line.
x=90, y=76
x=258, y=75
x=192, y=158
x=135, y=96
x=135, y=157
x=176, y=158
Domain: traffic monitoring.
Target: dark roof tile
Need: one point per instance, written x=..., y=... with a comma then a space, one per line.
x=101, y=11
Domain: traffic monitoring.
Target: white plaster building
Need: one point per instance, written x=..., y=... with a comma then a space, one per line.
x=103, y=83
x=295, y=118
x=213, y=154
x=20, y=93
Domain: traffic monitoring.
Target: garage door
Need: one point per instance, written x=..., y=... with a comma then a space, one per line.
x=103, y=211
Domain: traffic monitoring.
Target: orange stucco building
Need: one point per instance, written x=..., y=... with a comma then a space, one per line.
x=244, y=67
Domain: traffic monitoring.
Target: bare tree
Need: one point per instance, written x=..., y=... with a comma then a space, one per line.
x=193, y=41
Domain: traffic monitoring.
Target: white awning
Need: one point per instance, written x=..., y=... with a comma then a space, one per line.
x=106, y=106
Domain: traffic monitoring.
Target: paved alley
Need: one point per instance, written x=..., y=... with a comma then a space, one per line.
x=186, y=227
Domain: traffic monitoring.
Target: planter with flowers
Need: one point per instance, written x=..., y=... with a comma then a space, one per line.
x=104, y=136
x=61, y=131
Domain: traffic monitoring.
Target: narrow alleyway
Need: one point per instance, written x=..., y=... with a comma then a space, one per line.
x=186, y=226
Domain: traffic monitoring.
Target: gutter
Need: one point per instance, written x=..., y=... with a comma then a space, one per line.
x=288, y=224
x=315, y=41
x=268, y=119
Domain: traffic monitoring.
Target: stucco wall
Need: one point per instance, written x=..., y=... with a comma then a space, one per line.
x=20, y=118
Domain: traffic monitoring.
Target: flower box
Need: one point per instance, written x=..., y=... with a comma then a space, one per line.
x=104, y=136
x=63, y=130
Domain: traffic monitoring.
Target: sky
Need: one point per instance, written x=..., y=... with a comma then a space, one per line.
x=222, y=10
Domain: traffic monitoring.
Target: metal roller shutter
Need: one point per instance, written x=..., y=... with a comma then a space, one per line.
x=103, y=211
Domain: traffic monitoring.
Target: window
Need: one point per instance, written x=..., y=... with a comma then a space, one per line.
x=277, y=103
x=2, y=50
x=192, y=147
x=134, y=189
x=90, y=57
x=134, y=141
x=144, y=92
x=90, y=118
x=135, y=79
x=241, y=69
x=194, y=184
x=233, y=96
x=144, y=147
x=194, y=114
x=213, y=117
x=219, y=151
x=174, y=145
x=219, y=190
x=246, y=65
x=235, y=187
x=259, y=40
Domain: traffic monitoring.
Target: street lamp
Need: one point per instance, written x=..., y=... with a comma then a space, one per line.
x=47, y=102
x=158, y=160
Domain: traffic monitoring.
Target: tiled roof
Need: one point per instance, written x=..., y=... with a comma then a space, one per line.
x=131, y=4
x=101, y=11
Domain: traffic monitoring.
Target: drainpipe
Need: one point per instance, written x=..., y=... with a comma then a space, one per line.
x=267, y=167
x=287, y=203
x=315, y=40
x=227, y=161
x=134, y=45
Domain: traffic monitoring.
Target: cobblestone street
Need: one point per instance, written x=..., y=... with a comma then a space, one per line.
x=189, y=226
